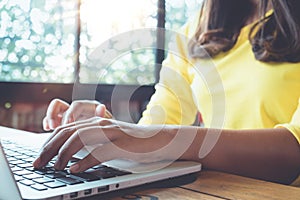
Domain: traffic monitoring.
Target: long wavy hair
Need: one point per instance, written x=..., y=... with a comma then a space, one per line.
x=275, y=37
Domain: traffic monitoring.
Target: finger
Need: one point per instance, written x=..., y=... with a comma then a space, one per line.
x=68, y=149
x=55, y=112
x=85, y=135
x=79, y=110
x=46, y=126
x=51, y=124
x=97, y=156
x=79, y=124
x=52, y=147
x=94, y=134
x=90, y=133
x=57, y=131
x=101, y=111
x=54, y=124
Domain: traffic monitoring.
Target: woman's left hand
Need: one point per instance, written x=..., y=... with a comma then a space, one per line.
x=107, y=139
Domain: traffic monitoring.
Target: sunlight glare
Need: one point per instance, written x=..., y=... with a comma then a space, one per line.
x=105, y=19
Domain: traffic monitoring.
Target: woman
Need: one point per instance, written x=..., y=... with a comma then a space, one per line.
x=253, y=118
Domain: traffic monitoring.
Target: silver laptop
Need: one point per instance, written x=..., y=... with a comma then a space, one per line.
x=19, y=180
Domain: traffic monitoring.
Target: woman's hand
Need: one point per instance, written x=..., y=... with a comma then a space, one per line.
x=60, y=112
x=108, y=139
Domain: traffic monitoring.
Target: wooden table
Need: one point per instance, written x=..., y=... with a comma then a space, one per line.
x=211, y=185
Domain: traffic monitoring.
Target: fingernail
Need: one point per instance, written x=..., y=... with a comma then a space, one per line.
x=74, y=168
x=37, y=162
x=57, y=165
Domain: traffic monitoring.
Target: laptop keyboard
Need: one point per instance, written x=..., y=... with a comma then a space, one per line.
x=20, y=160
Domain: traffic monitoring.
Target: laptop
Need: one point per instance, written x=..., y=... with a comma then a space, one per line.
x=19, y=180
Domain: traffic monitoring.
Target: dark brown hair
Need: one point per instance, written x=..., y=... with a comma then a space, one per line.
x=274, y=38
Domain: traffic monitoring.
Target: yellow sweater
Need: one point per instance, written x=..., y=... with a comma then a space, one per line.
x=231, y=91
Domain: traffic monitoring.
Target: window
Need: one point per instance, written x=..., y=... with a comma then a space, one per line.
x=37, y=40
x=131, y=67
x=46, y=45
x=40, y=38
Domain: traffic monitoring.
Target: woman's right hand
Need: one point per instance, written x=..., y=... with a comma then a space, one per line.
x=109, y=139
x=60, y=112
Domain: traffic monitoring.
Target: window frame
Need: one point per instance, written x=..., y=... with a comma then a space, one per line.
x=15, y=92
x=33, y=92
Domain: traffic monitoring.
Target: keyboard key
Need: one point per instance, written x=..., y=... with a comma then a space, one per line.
x=68, y=180
x=37, y=171
x=16, y=162
x=45, y=170
x=27, y=151
x=25, y=165
x=31, y=154
x=117, y=172
x=29, y=159
x=55, y=184
x=21, y=173
x=8, y=152
x=32, y=176
x=43, y=180
x=18, y=178
x=14, y=153
x=21, y=157
x=31, y=168
x=27, y=182
x=39, y=187
x=10, y=159
x=86, y=176
x=56, y=174
x=122, y=173
x=16, y=168
x=101, y=174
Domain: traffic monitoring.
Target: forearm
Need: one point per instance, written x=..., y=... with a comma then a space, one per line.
x=269, y=154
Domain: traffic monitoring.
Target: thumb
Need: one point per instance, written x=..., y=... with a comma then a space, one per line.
x=100, y=110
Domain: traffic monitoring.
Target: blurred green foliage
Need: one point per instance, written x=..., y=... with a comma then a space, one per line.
x=38, y=42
